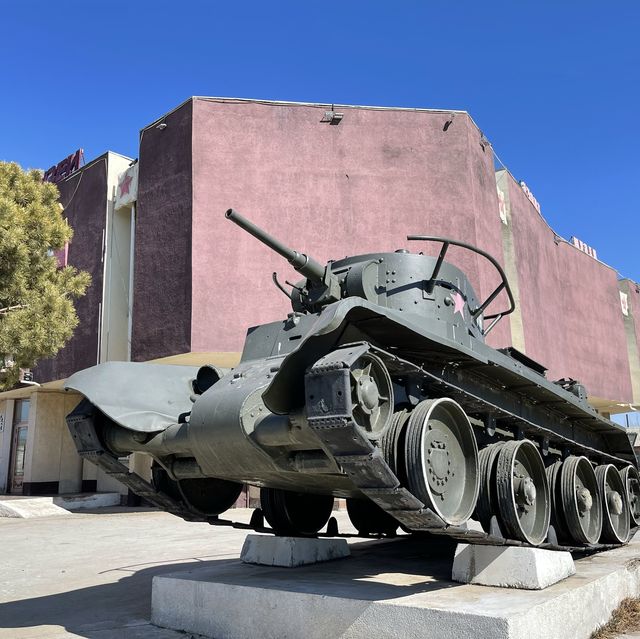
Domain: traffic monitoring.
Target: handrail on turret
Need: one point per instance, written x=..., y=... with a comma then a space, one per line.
x=504, y=284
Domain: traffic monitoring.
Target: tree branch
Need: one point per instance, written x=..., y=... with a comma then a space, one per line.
x=5, y=311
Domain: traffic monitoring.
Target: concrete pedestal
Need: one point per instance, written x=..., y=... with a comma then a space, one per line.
x=510, y=566
x=28, y=507
x=389, y=589
x=289, y=552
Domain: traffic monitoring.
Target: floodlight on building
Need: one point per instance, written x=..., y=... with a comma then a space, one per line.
x=332, y=117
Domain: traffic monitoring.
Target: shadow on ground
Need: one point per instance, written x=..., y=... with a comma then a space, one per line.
x=377, y=570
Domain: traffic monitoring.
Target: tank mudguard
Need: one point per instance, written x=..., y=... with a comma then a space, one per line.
x=340, y=323
x=142, y=397
x=355, y=320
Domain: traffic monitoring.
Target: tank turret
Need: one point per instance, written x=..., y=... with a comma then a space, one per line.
x=416, y=284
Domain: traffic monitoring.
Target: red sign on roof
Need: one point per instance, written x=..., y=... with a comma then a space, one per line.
x=65, y=168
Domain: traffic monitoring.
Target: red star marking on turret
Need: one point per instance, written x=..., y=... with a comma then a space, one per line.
x=458, y=302
x=126, y=183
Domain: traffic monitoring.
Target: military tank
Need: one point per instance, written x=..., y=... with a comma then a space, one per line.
x=377, y=387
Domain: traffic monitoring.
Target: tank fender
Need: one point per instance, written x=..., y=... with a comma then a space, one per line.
x=338, y=324
x=139, y=396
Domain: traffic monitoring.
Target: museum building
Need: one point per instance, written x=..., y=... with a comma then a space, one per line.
x=173, y=281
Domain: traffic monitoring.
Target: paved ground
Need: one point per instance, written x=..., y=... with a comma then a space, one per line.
x=88, y=574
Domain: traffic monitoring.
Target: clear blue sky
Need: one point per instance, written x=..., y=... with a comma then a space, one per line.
x=555, y=86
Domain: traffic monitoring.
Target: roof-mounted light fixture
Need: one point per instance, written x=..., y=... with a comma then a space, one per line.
x=332, y=117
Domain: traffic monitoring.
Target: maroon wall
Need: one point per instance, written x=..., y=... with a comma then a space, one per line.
x=570, y=306
x=84, y=197
x=162, y=266
x=329, y=191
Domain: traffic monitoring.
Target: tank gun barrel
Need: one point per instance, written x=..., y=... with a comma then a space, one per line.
x=302, y=263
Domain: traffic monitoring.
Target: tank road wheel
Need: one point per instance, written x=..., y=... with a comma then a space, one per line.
x=631, y=480
x=393, y=444
x=371, y=395
x=161, y=481
x=441, y=457
x=369, y=519
x=295, y=514
x=523, y=492
x=615, y=507
x=209, y=495
x=487, y=505
x=580, y=500
x=557, y=511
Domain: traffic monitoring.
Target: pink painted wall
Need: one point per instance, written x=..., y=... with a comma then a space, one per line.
x=570, y=306
x=328, y=191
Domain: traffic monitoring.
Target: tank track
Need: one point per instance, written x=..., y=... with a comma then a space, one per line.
x=364, y=462
x=82, y=425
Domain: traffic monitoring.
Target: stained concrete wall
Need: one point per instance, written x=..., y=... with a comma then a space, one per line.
x=162, y=262
x=51, y=456
x=634, y=305
x=6, y=432
x=84, y=197
x=114, y=335
x=569, y=305
x=503, y=179
x=328, y=191
x=632, y=333
x=52, y=464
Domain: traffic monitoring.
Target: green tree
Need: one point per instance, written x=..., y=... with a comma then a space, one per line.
x=37, y=316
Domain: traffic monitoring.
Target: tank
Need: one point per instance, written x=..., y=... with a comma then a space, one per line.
x=378, y=387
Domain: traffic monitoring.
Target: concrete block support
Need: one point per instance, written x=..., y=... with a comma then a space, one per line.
x=290, y=552
x=510, y=566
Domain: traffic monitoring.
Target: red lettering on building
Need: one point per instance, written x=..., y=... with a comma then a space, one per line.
x=65, y=168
